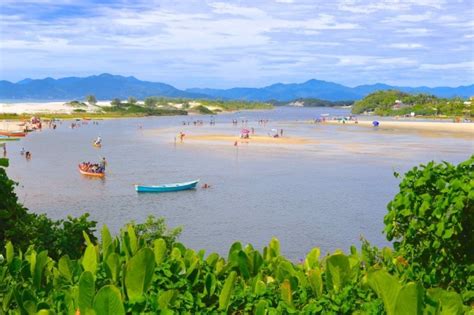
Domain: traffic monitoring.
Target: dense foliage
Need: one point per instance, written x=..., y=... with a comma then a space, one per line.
x=125, y=275
x=431, y=220
x=383, y=103
x=134, y=109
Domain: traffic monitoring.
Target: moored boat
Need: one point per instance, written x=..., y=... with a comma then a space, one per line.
x=168, y=187
x=12, y=133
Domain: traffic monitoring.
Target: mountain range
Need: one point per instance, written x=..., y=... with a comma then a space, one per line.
x=107, y=86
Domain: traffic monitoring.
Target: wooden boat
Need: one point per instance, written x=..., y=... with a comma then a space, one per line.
x=90, y=173
x=97, y=145
x=168, y=187
x=12, y=133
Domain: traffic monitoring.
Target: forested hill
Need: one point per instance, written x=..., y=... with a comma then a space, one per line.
x=394, y=102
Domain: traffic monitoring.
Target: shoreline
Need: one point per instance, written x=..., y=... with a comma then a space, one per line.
x=449, y=127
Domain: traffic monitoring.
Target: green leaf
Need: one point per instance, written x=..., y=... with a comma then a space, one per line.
x=243, y=264
x=387, y=288
x=133, y=239
x=112, y=266
x=448, y=302
x=41, y=261
x=224, y=297
x=159, y=250
x=139, y=273
x=107, y=241
x=9, y=252
x=64, y=267
x=89, y=261
x=316, y=281
x=261, y=308
x=410, y=300
x=86, y=291
x=108, y=301
x=166, y=298
x=286, y=293
x=338, y=271
x=312, y=259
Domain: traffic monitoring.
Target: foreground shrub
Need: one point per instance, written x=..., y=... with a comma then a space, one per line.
x=431, y=221
x=126, y=275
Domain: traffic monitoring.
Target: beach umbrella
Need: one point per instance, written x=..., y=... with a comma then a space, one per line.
x=245, y=131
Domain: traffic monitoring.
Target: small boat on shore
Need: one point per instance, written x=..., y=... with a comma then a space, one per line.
x=168, y=187
x=6, y=138
x=12, y=133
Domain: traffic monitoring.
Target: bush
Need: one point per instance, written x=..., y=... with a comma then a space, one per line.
x=431, y=220
x=125, y=275
x=23, y=228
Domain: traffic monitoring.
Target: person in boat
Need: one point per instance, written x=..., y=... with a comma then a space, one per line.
x=98, y=141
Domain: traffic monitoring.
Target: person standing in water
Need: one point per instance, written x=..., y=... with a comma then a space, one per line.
x=4, y=150
x=98, y=141
x=102, y=164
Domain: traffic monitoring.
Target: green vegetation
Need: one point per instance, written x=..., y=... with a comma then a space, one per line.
x=144, y=269
x=384, y=103
x=128, y=109
x=202, y=110
x=431, y=220
x=76, y=104
x=91, y=99
x=312, y=102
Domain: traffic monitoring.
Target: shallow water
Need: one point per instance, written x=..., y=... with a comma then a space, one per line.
x=324, y=194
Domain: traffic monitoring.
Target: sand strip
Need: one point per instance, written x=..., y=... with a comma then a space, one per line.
x=413, y=125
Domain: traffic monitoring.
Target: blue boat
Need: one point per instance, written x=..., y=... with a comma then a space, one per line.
x=168, y=187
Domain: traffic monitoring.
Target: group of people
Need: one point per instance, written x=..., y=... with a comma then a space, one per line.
x=94, y=167
x=27, y=154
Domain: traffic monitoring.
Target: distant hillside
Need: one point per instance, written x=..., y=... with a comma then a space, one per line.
x=326, y=91
x=107, y=86
x=104, y=87
x=310, y=102
x=287, y=92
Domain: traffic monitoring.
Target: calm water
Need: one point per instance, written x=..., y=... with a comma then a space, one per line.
x=323, y=194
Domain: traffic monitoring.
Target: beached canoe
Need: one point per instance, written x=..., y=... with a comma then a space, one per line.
x=12, y=133
x=91, y=174
x=5, y=138
x=167, y=188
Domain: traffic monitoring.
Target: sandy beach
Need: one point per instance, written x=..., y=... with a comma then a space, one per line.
x=43, y=107
x=448, y=127
x=253, y=139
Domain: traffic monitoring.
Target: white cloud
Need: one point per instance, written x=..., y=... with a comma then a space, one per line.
x=414, y=31
x=466, y=65
x=406, y=46
x=371, y=6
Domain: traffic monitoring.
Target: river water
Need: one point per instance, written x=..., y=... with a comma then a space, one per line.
x=324, y=194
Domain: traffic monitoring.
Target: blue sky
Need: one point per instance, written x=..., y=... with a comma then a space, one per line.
x=241, y=43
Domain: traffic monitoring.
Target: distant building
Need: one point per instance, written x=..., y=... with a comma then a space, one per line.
x=399, y=105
